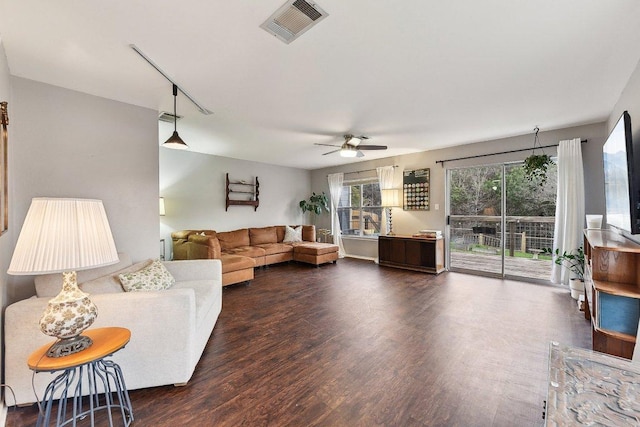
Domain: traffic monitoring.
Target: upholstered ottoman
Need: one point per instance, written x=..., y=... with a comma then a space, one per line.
x=236, y=268
x=315, y=253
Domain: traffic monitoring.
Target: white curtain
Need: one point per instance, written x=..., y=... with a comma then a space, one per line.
x=385, y=181
x=569, y=204
x=335, y=190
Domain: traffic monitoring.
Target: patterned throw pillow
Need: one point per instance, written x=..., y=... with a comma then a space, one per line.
x=292, y=234
x=155, y=277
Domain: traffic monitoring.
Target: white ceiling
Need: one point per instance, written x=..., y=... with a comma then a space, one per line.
x=413, y=75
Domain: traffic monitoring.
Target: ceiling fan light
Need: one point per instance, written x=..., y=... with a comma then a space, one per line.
x=175, y=142
x=348, y=152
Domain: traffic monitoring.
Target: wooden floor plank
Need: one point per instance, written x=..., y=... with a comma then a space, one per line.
x=355, y=344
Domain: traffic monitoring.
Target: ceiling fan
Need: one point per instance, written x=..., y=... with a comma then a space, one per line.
x=352, y=146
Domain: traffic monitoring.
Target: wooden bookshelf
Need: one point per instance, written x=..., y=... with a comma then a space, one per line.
x=612, y=284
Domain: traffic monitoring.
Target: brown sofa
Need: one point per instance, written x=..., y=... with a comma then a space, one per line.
x=242, y=250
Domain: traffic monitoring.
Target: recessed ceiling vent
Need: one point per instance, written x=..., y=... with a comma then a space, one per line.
x=293, y=19
x=167, y=117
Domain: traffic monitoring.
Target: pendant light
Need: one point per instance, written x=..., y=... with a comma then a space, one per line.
x=175, y=141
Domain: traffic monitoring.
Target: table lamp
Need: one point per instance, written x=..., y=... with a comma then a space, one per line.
x=63, y=236
x=390, y=199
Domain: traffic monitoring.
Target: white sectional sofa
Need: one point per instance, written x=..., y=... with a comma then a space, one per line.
x=169, y=328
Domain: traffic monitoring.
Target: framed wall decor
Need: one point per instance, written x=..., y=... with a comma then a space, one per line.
x=4, y=160
x=415, y=186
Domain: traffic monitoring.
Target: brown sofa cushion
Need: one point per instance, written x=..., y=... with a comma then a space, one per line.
x=181, y=235
x=249, y=251
x=309, y=233
x=233, y=239
x=261, y=236
x=276, y=248
x=236, y=262
x=207, y=246
x=203, y=240
x=314, y=248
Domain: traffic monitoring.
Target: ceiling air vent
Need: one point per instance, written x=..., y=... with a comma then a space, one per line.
x=293, y=19
x=167, y=117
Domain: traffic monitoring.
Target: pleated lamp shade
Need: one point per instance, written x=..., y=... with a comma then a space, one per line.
x=63, y=235
x=390, y=197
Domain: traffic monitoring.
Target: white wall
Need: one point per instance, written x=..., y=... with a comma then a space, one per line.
x=6, y=239
x=69, y=144
x=408, y=222
x=193, y=187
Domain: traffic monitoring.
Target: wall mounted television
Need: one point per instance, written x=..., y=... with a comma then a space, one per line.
x=621, y=186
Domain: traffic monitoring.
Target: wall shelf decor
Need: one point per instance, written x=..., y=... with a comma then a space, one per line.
x=242, y=193
x=415, y=184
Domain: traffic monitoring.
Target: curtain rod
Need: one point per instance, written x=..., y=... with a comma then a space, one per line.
x=501, y=152
x=365, y=170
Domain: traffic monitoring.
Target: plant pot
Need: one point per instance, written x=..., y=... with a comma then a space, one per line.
x=577, y=288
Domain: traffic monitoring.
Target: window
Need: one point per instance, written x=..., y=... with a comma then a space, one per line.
x=359, y=210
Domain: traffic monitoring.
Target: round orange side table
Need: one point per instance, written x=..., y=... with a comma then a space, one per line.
x=88, y=384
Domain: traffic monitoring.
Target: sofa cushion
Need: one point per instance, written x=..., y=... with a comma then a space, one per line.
x=154, y=277
x=205, y=293
x=292, y=234
x=233, y=239
x=248, y=251
x=313, y=248
x=110, y=284
x=182, y=234
x=309, y=233
x=207, y=246
x=260, y=236
x=276, y=248
x=236, y=262
x=49, y=285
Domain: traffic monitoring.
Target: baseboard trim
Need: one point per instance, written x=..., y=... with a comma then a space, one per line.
x=366, y=258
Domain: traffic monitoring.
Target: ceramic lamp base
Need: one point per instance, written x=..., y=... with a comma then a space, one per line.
x=69, y=346
x=67, y=315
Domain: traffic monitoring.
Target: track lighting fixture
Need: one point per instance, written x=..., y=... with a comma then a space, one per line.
x=175, y=141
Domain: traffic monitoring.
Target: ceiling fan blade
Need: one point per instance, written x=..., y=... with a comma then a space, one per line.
x=372, y=147
x=360, y=154
x=327, y=145
x=331, y=152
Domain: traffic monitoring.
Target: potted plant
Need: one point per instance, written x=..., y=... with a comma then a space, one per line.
x=535, y=168
x=316, y=203
x=574, y=262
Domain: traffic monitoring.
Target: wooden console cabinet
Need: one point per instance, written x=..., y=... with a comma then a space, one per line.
x=412, y=253
x=612, y=289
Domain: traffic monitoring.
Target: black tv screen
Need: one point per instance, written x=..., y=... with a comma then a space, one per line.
x=620, y=185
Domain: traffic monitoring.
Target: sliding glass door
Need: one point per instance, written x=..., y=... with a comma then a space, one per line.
x=475, y=219
x=500, y=221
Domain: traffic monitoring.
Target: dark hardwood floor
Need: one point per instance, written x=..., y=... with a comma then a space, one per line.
x=354, y=344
